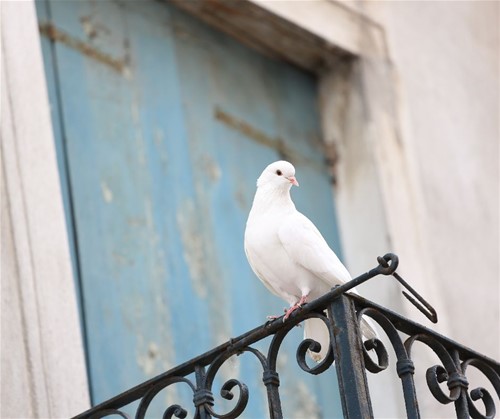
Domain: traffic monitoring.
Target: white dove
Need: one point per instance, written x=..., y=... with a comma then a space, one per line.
x=288, y=253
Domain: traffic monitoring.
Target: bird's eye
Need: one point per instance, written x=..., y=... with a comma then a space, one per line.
x=278, y=172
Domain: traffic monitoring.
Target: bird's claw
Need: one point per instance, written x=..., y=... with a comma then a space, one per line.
x=290, y=311
x=296, y=306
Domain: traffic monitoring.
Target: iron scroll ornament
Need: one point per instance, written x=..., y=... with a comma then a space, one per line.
x=454, y=359
x=203, y=398
x=199, y=373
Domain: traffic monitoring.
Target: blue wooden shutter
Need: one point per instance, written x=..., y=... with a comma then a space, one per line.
x=162, y=126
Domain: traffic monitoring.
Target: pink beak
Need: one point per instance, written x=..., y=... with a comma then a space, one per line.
x=293, y=181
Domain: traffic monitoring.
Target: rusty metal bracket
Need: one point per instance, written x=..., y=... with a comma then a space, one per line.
x=416, y=299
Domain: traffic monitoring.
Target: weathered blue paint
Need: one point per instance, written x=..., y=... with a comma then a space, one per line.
x=161, y=186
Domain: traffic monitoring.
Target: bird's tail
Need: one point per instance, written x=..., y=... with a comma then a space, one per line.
x=316, y=329
x=368, y=328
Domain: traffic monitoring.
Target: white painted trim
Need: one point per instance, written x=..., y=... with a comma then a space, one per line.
x=330, y=21
x=54, y=361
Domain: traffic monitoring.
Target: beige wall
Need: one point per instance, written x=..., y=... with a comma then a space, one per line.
x=443, y=60
x=439, y=177
x=446, y=61
x=42, y=361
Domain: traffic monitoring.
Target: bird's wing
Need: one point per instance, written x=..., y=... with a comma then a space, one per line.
x=256, y=262
x=306, y=246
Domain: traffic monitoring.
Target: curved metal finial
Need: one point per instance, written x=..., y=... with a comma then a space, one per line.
x=386, y=268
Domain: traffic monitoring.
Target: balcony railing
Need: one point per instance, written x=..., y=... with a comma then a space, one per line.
x=350, y=353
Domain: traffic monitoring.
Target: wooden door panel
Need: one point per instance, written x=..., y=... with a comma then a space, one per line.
x=165, y=125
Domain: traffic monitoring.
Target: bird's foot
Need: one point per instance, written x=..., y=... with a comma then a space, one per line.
x=273, y=317
x=290, y=311
x=297, y=305
x=302, y=300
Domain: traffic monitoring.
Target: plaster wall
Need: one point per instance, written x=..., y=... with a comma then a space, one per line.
x=443, y=65
x=445, y=57
x=42, y=361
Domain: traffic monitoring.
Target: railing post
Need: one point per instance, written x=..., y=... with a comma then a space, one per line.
x=349, y=361
x=202, y=396
x=272, y=382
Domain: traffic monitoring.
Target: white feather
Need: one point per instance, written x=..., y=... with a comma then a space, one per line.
x=288, y=253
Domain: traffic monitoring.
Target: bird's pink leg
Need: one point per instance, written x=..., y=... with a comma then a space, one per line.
x=296, y=306
x=303, y=300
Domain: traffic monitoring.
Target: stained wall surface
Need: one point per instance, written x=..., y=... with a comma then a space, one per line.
x=446, y=59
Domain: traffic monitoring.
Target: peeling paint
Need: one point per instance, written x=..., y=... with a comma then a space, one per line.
x=192, y=242
x=148, y=209
x=134, y=109
x=167, y=346
x=92, y=29
x=107, y=193
x=299, y=401
x=282, y=361
x=141, y=152
x=136, y=221
x=148, y=359
x=254, y=134
x=241, y=199
x=139, y=138
x=211, y=168
x=57, y=35
x=159, y=140
x=122, y=259
x=276, y=143
x=304, y=403
x=231, y=368
x=201, y=259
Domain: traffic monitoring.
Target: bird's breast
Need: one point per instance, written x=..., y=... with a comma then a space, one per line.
x=274, y=266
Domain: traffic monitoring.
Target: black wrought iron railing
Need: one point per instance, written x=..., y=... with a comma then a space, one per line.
x=351, y=356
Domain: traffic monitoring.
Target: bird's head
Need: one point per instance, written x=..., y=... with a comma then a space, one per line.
x=278, y=175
